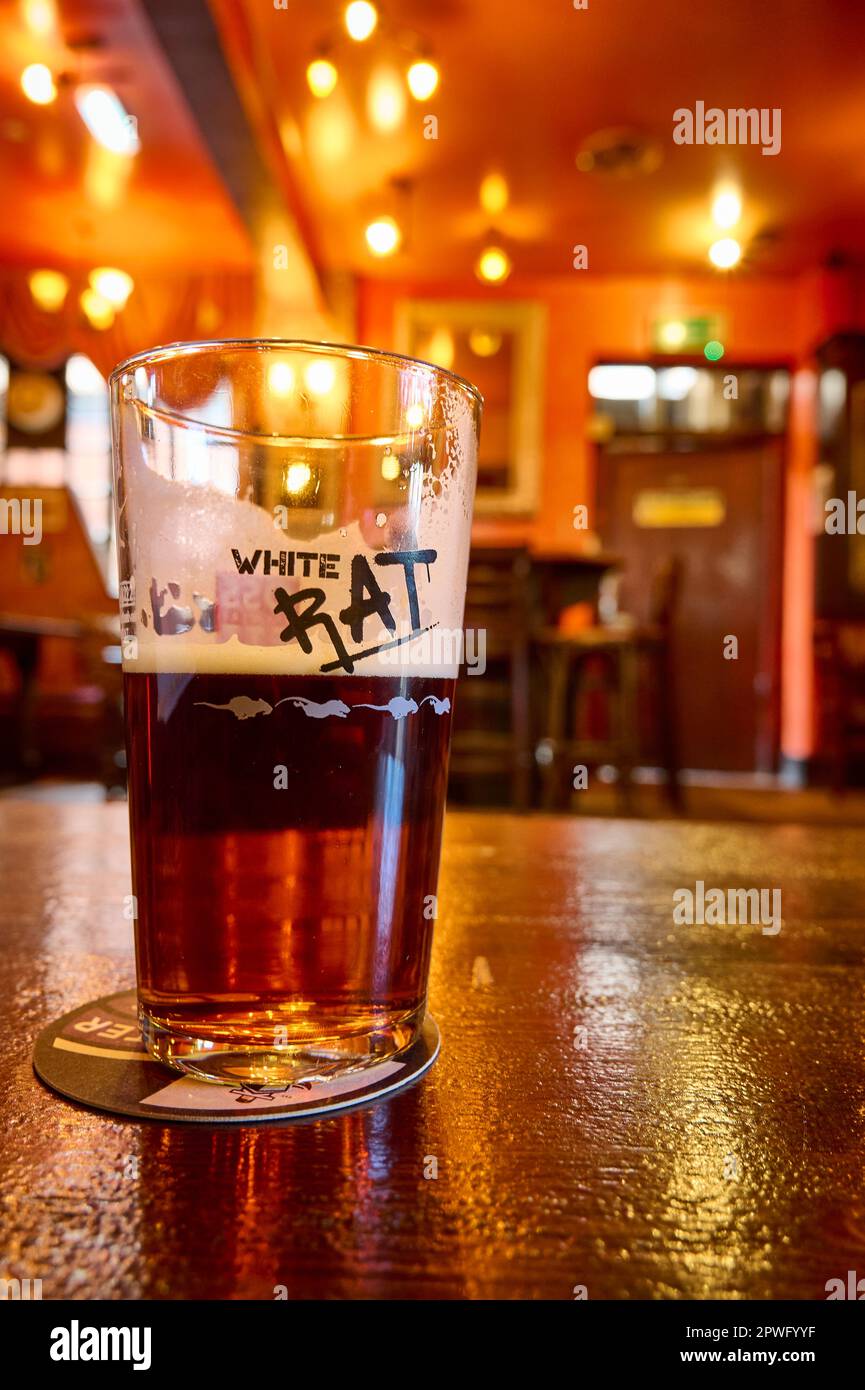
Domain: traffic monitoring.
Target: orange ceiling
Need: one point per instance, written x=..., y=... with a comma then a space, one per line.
x=66, y=200
x=524, y=84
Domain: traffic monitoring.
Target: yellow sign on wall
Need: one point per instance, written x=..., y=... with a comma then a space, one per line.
x=668, y=507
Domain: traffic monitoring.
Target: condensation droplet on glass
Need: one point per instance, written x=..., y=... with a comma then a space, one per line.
x=381, y=519
x=343, y=532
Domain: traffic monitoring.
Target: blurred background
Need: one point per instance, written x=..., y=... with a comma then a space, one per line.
x=669, y=333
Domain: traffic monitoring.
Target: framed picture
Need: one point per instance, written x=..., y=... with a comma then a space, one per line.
x=500, y=349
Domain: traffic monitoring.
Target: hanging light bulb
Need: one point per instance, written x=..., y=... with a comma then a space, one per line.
x=114, y=285
x=320, y=377
x=494, y=193
x=725, y=253
x=383, y=236
x=38, y=85
x=321, y=77
x=422, y=78
x=493, y=265
x=107, y=119
x=360, y=20
x=280, y=379
x=385, y=99
x=49, y=289
x=99, y=312
x=297, y=477
x=726, y=208
x=40, y=16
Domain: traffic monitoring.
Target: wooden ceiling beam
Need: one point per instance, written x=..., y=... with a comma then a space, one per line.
x=243, y=141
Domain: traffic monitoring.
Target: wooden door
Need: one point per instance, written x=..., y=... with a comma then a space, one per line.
x=719, y=511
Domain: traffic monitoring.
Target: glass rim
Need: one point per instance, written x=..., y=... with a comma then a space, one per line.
x=354, y=351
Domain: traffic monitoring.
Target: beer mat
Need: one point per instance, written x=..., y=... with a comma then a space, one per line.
x=94, y=1055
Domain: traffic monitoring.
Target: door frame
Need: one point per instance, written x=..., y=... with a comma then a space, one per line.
x=767, y=745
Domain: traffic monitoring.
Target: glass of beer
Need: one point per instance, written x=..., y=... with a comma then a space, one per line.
x=293, y=525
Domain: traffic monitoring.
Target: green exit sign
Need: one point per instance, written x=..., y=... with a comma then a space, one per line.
x=686, y=335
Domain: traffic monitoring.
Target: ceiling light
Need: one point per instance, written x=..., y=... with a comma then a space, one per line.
x=725, y=253
x=298, y=476
x=49, y=289
x=40, y=16
x=321, y=77
x=107, y=119
x=422, y=78
x=280, y=379
x=624, y=382
x=331, y=132
x=383, y=236
x=114, y=285
x=320, y=377
x=360, y=20
x=38, y=85
x=494, y=194
x=385, y=100
x=726, y=208
x=493, y=265
x=99, y=312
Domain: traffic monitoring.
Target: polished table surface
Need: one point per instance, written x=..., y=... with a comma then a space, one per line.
x=642, y=1109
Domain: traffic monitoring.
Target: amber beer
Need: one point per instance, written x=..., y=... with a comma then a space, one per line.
x=293, y=530
x=285, y=863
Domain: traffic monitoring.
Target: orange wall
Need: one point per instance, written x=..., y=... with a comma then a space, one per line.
x=772, y=320
x=607, y=318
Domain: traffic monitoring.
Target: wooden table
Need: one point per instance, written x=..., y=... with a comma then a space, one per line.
x=703, y=1138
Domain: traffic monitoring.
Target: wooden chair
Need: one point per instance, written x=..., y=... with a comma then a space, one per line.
x=491, y=753
x=53, y=595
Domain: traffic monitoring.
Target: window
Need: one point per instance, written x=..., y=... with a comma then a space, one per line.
x=678, y=399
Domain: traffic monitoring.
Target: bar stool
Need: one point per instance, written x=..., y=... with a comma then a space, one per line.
x=607, y=669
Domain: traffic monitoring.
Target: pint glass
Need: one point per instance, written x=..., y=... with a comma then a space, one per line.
x=293, y=526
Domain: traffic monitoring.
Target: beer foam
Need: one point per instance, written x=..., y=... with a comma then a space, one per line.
x=233, y=658
x=204, y=571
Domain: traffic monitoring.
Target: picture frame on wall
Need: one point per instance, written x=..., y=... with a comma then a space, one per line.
x=501, y=349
